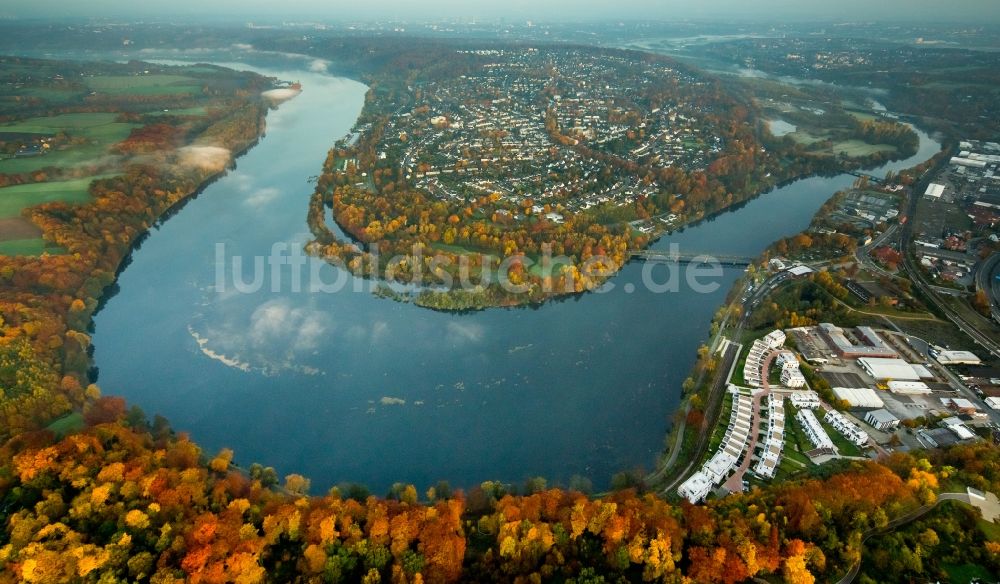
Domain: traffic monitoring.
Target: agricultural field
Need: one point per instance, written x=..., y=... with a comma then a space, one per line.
x=14, y=199
x=67, y=123
x=144, y=84
x=91, y=135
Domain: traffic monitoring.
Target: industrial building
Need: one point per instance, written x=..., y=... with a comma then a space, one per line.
x=960, y=405
x=882, y=420
x=956, y=357
x=958, y=428
x=896, y=369
x=869, y=343
x=934, y=190
x=908, y=387
x=859, y=397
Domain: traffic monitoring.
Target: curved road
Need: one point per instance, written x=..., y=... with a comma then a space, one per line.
x=899, y=522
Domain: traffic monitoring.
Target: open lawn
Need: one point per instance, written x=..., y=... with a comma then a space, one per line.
x=990, y=530
x=863, y=116
x=53, y=124
x=858, y=149
x=144, y=84
x=14, y=199
x=967, y=573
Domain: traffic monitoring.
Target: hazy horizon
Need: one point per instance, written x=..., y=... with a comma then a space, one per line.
x=969, y=11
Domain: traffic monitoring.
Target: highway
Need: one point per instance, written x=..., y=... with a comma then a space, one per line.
x=986, y=280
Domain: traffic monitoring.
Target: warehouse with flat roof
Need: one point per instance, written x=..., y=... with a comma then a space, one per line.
x=883, y=369
x=859, y=397
x=956, y=357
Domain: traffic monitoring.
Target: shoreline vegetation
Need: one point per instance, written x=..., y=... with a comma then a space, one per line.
x=47, y=301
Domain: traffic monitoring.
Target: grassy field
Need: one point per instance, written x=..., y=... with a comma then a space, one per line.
x=144, y=84
x=863, y=116
x=100, y=129
x=24, y=247
x=804, y=137
x=67, y=424
x=989, y=529
x=14, y=199
x=857, y=148
x=190, y=111
x=966, y=573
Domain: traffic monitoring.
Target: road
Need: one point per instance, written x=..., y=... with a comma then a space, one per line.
x=861, y=254
x=986, y=280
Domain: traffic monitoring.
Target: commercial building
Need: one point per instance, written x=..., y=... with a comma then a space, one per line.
x=908, y=387
x=775, y=339
x=791, y=376
x=993, y=402
x=882, y=369
x=846, y=427
x=956, y=357
x=882, y=420
x=869, y=344
x=859, y=397
x=815, y=432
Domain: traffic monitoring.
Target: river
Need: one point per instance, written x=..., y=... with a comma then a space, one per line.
x=348, y=387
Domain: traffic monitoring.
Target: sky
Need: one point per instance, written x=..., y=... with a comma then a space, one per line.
x=974, y=11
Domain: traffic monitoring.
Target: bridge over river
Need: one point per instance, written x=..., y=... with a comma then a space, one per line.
x=673, y=256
